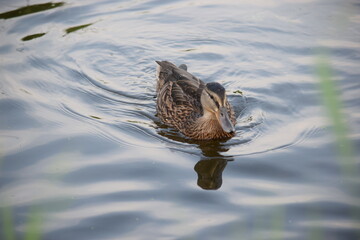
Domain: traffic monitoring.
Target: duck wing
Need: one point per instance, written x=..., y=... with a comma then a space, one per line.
x=179, y=94
x=184, y=85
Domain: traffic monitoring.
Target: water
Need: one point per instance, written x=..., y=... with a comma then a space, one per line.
x=82, y=148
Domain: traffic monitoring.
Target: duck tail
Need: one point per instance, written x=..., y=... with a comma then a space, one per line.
x=158, y=70
x=163, y=71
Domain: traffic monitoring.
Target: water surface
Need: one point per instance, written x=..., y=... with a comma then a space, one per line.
x=81, y=145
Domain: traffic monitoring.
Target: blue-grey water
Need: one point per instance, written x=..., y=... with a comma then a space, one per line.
x=83, y=155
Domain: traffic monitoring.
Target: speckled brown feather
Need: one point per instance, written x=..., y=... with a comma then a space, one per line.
x=179, y=105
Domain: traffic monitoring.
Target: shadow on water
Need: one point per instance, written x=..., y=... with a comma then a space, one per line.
x=30, y=9
x=67, y=31
x=76, y=28
x=35, y=8
x=32, y=36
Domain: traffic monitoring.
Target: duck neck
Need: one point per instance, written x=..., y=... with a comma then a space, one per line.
x=208, y=125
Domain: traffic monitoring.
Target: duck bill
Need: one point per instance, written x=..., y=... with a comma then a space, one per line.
x=225, y=121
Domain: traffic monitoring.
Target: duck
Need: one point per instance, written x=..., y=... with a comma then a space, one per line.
x=198, y=110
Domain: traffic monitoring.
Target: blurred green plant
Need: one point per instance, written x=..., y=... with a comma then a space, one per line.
x=334, y=108
x=7, y=226
x=34, y=225
x=345, y=148
x=33, y=230
x=35, y=217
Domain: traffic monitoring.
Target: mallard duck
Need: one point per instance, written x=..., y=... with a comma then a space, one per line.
x=198, y=110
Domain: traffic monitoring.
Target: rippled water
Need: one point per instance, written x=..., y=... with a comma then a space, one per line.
x=82, y=148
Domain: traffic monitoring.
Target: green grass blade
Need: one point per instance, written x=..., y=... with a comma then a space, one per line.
x=7, y=219
x=334, y=108
x=34, y=223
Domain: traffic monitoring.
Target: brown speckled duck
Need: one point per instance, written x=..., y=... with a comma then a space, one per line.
x=198, y=110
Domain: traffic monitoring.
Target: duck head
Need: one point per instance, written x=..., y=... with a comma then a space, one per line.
x=214, y=101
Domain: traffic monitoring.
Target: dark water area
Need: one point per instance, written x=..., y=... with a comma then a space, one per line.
x=81, y=146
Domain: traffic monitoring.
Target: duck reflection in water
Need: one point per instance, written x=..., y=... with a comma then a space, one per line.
x=212, y=163
x=210, y=168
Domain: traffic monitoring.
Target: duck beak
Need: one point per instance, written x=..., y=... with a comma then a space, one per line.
x=224, y=120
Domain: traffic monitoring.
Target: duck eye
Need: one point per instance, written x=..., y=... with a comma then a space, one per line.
x=212, y=98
